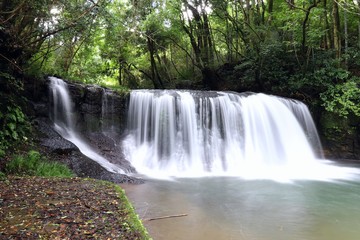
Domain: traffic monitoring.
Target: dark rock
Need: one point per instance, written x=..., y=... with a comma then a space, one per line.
x=41, y=109
x=110, y=148
x=91, y=121
x=56, y=148
x=50, y=139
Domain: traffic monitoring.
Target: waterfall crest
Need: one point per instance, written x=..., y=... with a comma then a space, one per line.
x=193, y=133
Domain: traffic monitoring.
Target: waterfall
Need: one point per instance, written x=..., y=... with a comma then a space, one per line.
x=107, y=113
x=63, y=117
x=194, y=133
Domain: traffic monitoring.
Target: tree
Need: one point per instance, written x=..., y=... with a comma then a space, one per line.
x=196, y=24
x=27, y=30
x=336, y=28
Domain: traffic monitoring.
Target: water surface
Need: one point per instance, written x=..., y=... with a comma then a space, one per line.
x=232, y=208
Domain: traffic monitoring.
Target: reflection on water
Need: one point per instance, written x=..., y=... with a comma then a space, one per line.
x=232, y=208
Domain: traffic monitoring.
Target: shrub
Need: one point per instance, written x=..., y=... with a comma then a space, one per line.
x=14, y=125
x=343, y=98
x=2, y=176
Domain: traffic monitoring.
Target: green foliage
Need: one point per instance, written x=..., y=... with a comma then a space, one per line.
x=335, y=127
x=13, y=123
x=321, y=73
x=343, y=98
x=2, y=176
x=14, y=127
x=289, y=48
x=34, y=164
x=14, y=119
x=269, y=67
x=275, y=64
x=122, y=90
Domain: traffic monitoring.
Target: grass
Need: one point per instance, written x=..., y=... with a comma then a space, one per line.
x=33, y=164
x=134, y=219
x=133, y=222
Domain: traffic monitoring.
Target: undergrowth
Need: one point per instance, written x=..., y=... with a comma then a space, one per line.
x=2, y=176
x=34, y=164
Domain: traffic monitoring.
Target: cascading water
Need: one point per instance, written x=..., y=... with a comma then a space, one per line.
x=304, y=117
x=62, y=117
x=193, y=133
x=107, y=110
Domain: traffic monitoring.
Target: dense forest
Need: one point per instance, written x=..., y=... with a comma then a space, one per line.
x=305, y=49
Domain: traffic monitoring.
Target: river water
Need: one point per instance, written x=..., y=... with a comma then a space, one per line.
x=233, y=208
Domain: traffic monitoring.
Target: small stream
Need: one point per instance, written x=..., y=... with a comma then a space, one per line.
x=233, y=208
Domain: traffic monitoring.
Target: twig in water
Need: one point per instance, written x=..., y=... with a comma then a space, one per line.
x=168, y=216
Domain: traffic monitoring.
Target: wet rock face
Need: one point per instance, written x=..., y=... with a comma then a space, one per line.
x=56, y=148
x=90, y=119
x=48, y=138
x=97, y=108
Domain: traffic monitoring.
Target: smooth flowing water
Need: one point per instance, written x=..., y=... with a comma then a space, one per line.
x=195, y=134
x=224, y=208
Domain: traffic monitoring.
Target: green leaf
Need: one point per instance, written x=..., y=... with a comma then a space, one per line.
x=14, y=135
x=12, y=126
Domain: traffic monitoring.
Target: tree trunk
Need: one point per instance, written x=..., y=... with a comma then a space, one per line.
x=155, y=77
x=121, y=65
x=358, y=34
x=328, y=41
x=346, y=37
x=336, y=28
x=304, y=27
x=199, y=33
x=270, y=10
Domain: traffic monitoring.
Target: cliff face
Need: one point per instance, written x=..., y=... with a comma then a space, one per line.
x=101, y=128
x=98, y=109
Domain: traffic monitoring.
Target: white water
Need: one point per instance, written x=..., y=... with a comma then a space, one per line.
x=253, y=136
x=64, y=123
